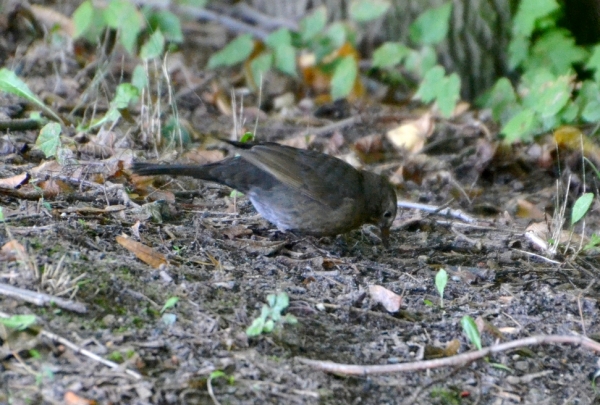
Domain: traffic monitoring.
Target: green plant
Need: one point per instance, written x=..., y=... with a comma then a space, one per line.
x=332, y=47
x=428, y=30
x=153, y=27
x=171, y=302
x=441, y=279
x=270, y=315
x=549, y=93
x=19, y=322
x=470, y=329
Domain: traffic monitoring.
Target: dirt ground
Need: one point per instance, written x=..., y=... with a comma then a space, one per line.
x=222, y=260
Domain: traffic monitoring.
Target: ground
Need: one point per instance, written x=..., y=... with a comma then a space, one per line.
x=222, y=260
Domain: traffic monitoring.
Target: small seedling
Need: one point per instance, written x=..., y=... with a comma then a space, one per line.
x=171, y=302
x=441, y=279
x=270, y=315
x=470, y=329
x=18, y=322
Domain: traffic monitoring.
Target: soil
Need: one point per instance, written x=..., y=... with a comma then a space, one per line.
x=222, y=260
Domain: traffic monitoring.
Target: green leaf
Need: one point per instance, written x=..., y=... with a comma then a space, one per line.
x=581, y=207
x=282, y=302
x=282, y=36
x=448, y=94
x=168, y=23
x=10, y=83
x=260, y=66
x=518, y=51
x=421, y=61
x=546, y=93
x=139, y=78
x=82, y=18
x=428, y=89
x=441, y=280
x=594, y=242
x=471, y=331
x=313, y=24
x=125, y=17
x=235, y=52
x=588, y=101
x=502, y=100
x=18, y=322
x=337, y=33
x=126, y=93
x=593, y=62
x=171, y=302
x=154, y=47
x=285, y=59
x=269, y=326
x=247, y=137
x=193, y=3
x=343, y=79
x=431, y=27
x=555, y=51
x=368, y=10
x=530, y=12
x=48, y=141
x=256, y=328
x=520, y=127
x=390, y=54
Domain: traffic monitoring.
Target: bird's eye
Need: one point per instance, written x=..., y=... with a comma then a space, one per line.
x=387, y=214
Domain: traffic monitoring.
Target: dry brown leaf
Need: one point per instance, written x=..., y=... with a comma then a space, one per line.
x=142, y=252
x=51, y=18
x=300, y=142
x=73, y=399
x=54, y=187
x=12, y=250
x=203, y=156
x=525, y=209
x=381, y=295
x=14, y=181
x=412, y=134
x=452, y=348
x=48, y=167
x=370, y=148
x=233, y=232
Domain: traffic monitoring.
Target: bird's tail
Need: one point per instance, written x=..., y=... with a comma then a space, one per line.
x=202, y=172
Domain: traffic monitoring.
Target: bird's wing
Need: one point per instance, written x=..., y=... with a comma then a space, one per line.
x=297, y=171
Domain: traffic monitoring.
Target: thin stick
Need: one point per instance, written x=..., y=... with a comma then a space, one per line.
x=461, y=359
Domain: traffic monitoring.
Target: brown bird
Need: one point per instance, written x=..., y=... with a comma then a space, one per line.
x=297, y=190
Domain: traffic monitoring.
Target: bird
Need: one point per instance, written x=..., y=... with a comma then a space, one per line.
x=297, y=190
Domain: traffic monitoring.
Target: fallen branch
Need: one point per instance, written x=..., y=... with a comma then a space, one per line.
x=41, y=299
x=59, y=339
x=453, y=361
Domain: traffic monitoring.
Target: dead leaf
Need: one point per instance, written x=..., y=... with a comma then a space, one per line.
x=53, y=187
x=12, y=250
x=73, y=399
x=381, y=295
x=525, y=209
x=370, y=148
x=233, y=232
x=203, y=156
x=51, y=18
x=142, y=252
x=300, y=142
x=452, y=348
x=412, y=134
x=14, y=181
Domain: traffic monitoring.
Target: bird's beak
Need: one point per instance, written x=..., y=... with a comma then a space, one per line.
x=385, y=236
